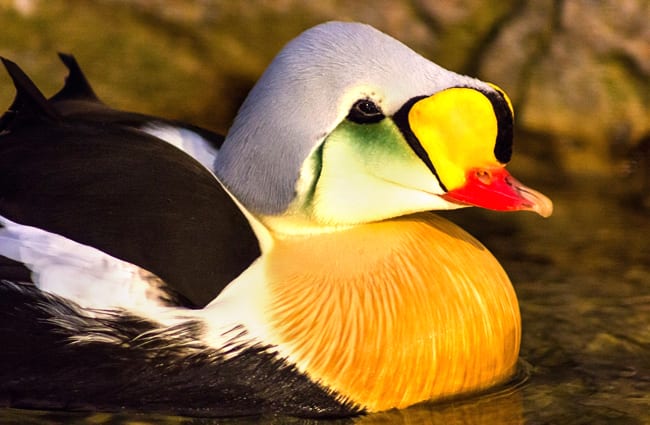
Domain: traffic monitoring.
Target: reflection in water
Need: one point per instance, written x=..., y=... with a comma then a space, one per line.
x=500, y=406
x=583, y=281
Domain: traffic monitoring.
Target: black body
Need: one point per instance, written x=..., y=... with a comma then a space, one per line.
x=167, y=372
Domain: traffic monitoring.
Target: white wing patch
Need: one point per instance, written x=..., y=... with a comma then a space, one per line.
x=98, y=283
x=186, y=140
x=85, y=275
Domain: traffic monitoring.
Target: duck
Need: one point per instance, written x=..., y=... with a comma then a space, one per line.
x=351, y=295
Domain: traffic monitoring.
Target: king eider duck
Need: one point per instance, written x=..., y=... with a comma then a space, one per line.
x=348, y=296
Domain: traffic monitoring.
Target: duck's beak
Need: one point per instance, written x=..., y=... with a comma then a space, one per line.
x=495, y=189
x=467, y=135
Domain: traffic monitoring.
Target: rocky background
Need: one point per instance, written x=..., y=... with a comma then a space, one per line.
x=578, y=71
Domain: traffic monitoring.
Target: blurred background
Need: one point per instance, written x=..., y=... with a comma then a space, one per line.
x=577, y=71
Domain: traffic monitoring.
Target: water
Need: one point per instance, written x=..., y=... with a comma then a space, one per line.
x=583, y=281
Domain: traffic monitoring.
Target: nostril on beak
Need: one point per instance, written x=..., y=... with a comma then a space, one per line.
x=484, y=176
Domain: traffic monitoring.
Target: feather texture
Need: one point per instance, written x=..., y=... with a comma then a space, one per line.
x=395, y=312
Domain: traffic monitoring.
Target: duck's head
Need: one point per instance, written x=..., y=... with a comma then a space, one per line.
x=349, y=126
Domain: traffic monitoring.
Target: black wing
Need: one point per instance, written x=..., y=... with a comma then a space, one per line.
x=122, y=191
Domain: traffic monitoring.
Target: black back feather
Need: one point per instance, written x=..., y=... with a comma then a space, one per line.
x=29, y=103
x=105, y=184
x=76, y=85
x=168, y=371
x=78, y=100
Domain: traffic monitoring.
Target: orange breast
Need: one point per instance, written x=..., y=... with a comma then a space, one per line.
x=392, y=313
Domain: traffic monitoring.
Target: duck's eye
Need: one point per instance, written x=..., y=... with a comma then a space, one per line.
x=365, y=111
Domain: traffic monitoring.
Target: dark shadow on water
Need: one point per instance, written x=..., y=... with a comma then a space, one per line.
x=501, y=405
